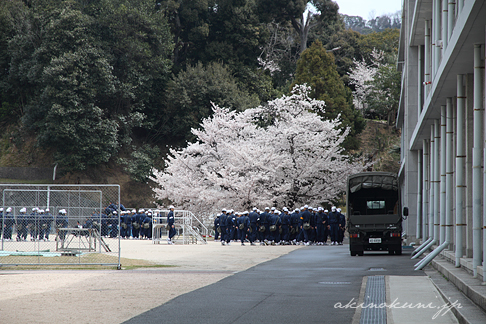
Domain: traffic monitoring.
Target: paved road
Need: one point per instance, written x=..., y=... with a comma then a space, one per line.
x=300, y=287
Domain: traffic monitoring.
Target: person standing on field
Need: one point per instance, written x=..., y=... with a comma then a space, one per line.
x=170, y=223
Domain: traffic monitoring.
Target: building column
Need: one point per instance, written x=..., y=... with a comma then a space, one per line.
x=425, y=188
x=449, y=173
x=477, y=160
x=419, y=196
x=469, y=78
x=460, y=163
x=445, y=21
x=427, y=56
x=443, y=158
x=451, y=18
x=480, y=98
x=436, y=180
x=436, y=35
x=432, y=183
x=420, y=83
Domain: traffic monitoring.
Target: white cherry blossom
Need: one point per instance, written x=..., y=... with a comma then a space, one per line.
x=281, y=153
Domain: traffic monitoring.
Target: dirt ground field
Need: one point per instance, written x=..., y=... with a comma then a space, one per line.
x=113, y=296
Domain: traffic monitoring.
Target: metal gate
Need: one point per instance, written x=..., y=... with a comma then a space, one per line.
x=60, y=225
x=189, y=229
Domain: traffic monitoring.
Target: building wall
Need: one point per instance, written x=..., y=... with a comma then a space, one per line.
x=408, y=173
x=451, y=54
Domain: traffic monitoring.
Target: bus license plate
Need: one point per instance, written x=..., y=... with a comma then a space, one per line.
x=375, y=240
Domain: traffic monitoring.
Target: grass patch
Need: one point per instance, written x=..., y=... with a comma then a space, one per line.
x=74, y=262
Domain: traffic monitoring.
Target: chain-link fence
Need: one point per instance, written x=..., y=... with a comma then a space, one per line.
x=60, y=225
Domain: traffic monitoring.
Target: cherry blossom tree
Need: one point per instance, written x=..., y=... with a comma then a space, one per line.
x=362, y=76
x=377, y=86
x=280, y=154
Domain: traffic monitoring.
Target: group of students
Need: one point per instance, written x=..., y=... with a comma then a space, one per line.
x=37, y=223
x=306, y=226
x=136, y=225
x=40, y=222
x=133, y=224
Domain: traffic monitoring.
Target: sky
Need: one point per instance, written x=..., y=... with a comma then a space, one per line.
x=368, y=9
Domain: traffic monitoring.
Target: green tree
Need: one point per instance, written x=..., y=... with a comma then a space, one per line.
x=385, y=95
x=138, y=44
x=87, y=73
x=190, y=94
x=19, y=74
x=353, y=45
x=294, y=11
x=82, y=133
x=189, y=24
x=356, y=23
x=141, y=162
x=224, y=31
x=377, y=24
x=349, y=44
x=317, y=69
x=386, y=41
x=236, y=39
x=10, y=11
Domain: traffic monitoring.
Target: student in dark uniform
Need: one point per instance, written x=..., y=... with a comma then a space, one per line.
x=342, y=226
x=222, y=225
x=45, y=221
x=305, y=218
x=327, y=230
x=243, y=226
x=216, y=228
x=294, y=226
x=22, y=225
x=8, y=223
x=313, y=223
x=147, y=226
x=230, y=226
x=61, y=222
x=253, y=218
x=131, y=218
x=124, y=219
x=170, y=222
x=321, y=225
x=136, y=224
x=41, y=225
x=264, y=218
x=236, y=233
x=235, y=237
x=285, y=225
x=334, y=225
x=113, y=224
x=33, y=224
x=273, y=224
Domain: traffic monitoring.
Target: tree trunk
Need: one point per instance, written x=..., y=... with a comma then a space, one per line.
x=303, y=29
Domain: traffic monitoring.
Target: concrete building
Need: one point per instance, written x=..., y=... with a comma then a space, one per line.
x=441, y=115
